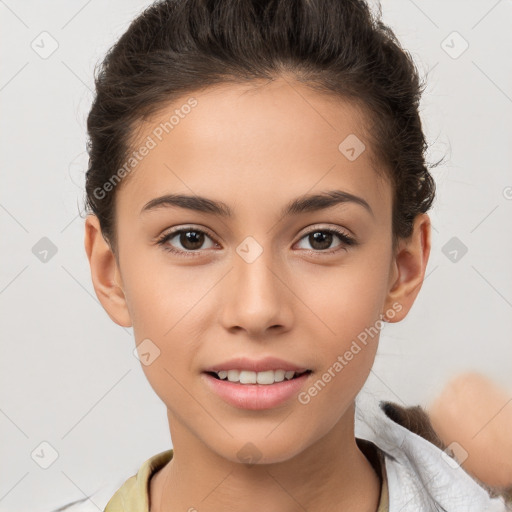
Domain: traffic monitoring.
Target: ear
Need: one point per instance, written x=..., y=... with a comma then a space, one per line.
x=408, y=270
x=105, y=274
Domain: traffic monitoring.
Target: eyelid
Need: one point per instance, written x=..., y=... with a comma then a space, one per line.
x=347, y=239
x=323, y=227
x=308, y=230
x=185, y=227
x=163, y=238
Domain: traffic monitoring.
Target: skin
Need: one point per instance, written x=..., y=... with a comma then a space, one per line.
x=256, y=149
x=476, y=413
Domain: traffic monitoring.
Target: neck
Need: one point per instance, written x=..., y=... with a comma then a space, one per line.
x=330, y=474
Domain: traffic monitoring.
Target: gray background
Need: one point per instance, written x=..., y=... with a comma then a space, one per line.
x=69, y=376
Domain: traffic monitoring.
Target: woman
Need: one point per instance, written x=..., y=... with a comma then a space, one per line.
x=258, y=200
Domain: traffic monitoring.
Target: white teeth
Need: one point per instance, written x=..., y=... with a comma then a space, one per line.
x=270, y=376
x=233, y=375
x=247, y=377
x=250, y=377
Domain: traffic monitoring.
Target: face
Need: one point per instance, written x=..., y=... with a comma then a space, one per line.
x=251, y=277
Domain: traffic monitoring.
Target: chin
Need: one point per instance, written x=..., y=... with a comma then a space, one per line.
x=259, y=451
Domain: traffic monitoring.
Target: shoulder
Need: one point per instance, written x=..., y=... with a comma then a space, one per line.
x=132, y=495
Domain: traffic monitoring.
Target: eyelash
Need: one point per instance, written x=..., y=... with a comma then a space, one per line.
x=345, y=239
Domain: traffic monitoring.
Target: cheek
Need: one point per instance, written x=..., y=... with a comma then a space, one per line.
x=162, y=295
x=346, y=349
x=167, y=308
x=349, y=298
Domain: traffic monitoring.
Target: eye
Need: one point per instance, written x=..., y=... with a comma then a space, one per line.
x=321, y=240
x=191, y=240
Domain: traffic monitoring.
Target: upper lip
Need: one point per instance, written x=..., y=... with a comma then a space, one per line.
x=256, y=365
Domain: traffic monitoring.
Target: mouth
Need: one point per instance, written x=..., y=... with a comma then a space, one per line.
x=250, y=377
x=251, y=390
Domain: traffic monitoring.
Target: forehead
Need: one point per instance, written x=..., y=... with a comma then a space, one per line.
x=277, y=137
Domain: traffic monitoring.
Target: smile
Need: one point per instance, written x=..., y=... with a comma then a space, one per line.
x=254, y=395
x=249, y=377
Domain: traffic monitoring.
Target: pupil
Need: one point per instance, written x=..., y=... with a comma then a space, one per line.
x=321, y=237
x=195, y=241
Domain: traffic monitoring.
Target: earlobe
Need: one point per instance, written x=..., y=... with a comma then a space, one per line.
x=105, y=274
x=408, y=269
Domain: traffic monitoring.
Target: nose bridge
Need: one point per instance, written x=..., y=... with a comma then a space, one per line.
x=256, y=298
x=255, y=282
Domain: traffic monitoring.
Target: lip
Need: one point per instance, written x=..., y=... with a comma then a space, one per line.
x=256, y=365
x=255, y=396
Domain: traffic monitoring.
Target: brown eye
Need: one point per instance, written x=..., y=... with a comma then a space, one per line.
x=191, y=240
x=321, y=240
x=186, y=240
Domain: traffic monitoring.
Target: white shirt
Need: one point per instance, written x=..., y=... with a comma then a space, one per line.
x=419, y=473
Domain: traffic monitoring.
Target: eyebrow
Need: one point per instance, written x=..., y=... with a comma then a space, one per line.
x=303, y=204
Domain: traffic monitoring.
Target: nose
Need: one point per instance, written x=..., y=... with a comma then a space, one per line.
x=256, y=297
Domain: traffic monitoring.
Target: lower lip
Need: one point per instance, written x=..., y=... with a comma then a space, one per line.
x=255, y=396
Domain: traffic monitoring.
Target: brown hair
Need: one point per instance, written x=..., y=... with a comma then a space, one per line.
x=415, y=419
x=175, y=47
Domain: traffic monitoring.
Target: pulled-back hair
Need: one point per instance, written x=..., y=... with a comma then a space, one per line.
x=340, y=47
